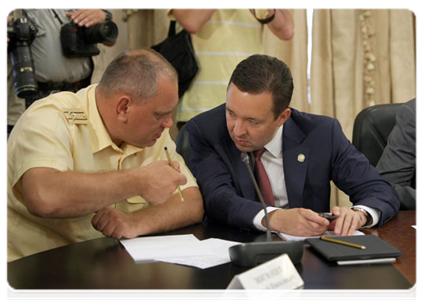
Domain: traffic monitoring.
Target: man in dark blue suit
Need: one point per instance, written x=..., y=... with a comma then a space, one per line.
x=303, y=154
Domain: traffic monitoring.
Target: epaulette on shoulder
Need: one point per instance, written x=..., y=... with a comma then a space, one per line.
x=76, y=116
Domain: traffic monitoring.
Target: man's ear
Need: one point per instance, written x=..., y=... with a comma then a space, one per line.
x=284, y=116
x=122, y=108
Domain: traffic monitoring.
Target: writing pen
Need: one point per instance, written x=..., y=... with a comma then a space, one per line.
x=171, y=164
x=342, y=242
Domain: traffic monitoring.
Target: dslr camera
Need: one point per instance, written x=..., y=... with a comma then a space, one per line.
x=21, y=33
x=80, y=41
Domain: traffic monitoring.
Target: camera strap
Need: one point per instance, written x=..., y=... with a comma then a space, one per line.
x=57, y=16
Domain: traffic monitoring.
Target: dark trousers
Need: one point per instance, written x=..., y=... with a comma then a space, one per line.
x=47, y=88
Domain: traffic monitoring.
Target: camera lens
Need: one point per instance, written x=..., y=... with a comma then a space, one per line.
x=107, y=32
x=23, y=72
x=100, y=33
x=21, y=34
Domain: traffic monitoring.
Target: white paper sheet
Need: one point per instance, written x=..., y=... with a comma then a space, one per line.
x=159, y=247
x=219, y=256
x=288, y=237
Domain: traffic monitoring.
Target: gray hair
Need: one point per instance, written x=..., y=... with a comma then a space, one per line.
x=135, y=72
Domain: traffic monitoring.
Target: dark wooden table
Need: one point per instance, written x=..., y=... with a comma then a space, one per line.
x=399, y=233
x=105, y=264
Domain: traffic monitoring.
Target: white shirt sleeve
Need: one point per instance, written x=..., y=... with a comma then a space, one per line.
x=375, y=213
x=257, y=219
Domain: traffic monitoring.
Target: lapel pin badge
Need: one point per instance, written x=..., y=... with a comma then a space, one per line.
x=301, y=157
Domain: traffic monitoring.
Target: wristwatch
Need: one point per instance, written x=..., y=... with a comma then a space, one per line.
x=109, y=15
x=369, y=219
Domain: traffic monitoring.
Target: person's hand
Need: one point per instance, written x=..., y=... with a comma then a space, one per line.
x=159, y=180
x=9, y=20
x=298, y=221
x=87, y=17
x=115, y=223
x=347, y=220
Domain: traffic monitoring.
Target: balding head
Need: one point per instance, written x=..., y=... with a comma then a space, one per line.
x=135, y=73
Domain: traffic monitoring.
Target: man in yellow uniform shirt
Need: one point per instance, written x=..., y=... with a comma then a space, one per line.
x=89, y=164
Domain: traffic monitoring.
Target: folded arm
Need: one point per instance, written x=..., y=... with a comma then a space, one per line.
x=50, y=193
x=283, y=24
x=156, y=218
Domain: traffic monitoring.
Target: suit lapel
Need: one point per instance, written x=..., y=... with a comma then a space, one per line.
x=246, y=186
x=295, y=161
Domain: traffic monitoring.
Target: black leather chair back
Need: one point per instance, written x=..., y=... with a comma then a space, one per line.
x=182, y=145
x=372, y=127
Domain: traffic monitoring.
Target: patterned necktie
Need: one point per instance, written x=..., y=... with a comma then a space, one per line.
x=262, y=179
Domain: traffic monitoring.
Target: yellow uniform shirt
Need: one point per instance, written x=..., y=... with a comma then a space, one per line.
x=65, y=132
x=230, y=36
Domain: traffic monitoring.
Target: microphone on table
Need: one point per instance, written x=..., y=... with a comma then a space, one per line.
x=255, y=253
x=246, y=160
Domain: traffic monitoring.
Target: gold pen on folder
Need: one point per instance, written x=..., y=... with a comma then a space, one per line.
x=342, y=242
x=171, y=164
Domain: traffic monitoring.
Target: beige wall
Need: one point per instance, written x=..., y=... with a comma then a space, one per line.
x=122, y=41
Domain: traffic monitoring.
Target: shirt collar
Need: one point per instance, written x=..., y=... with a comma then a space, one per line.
x=100, y=138
x=275, y=145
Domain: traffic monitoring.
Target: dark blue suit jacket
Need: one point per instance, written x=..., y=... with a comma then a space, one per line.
x=228, y=191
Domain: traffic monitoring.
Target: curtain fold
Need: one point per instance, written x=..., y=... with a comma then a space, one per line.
x=360, y=58
x=146, y=27
x=403, y=55
x=294, y=54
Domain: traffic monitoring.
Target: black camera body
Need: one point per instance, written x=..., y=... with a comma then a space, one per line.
x=21, y=34
x=80, y=41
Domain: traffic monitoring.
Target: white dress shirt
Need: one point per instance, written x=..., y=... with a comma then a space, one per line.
x=273, y=164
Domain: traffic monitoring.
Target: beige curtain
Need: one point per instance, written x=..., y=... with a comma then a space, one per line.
x=146, y=27
x=361, y=58
x=294, y=54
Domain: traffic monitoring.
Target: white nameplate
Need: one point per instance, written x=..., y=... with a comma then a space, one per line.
x=278, y=273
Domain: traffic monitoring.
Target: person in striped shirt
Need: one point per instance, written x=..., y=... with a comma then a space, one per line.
x=221, y=39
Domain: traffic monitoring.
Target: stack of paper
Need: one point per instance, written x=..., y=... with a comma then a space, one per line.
x=180, y=249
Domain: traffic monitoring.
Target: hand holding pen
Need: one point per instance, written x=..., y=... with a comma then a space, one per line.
x=157, y=181
x=171, y=164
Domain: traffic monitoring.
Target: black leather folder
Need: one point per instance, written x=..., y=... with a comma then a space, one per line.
x=376, y=248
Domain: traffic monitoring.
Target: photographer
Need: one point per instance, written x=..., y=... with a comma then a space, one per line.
x=53, y=70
